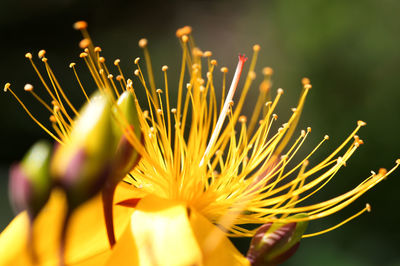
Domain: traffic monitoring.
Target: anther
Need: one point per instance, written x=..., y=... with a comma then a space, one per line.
x=213, y=62
x=84, y=43
x=188, y=86
x=28, y=55
x=173, y=110
x=102, y=59
x=164, y=68
x=110, y=76
x=142, y=43
x=256, y=48
x=197, y=52
x=159, y=90
x=275, y=116
x=137, y=60
x=382, y=171
x=41, y=53
x=83, y=55
x=86, y=50
x=145, y=114
x=242, y=119
x=207, y=54
x=267, y=71
x=136, y=72
x=368, y=207
x=231, y=103
x=361, y=123
x=72, y=65
x=326, y=137
x=101, y=71
x=119, y=78
x=200, y=81
x=307, y=86
x=268, y=103
x=294, y=110
x=116, y=62
x=185, y=38
x=252, y=75
x=209, y=75
x=80, y=25
x=224, y=69
x=202, y=88
x=97, y=49
x=6, y=87
x=28, y=87
x=305, y=81
x=308, y=129
x=373, y=173
x=398, y=161
x=280, y=91
x=53, y=119
x=159, y=111
x=303, y=132
x=186, y=30
x=44, y=59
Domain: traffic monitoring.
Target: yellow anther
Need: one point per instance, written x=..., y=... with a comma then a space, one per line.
x=137, y=59
x=164, y=68
x=97, y=49
x=116, y=62
x=326, y=137
x=307, y=86
x=224, y=69
x=72, y=65
x=207, y=54
x=136, y=72
x=202, y=88
x=159, y=90
x=44, y=59
x=308, y=129
x=142, y=43
x=84, y=43
x=242, y=119
x=53, y=119
x=368, y=207
x=361, y=123
x=275, y=116
x=145, y=114
x=6, y=87
x=110, y=76
x=213, y=62
x=119, y=78
x=28, y=87
x=200, y=81
x=80, y=25
x=185, y=38
x=280, y=91
x=28, y=55
x=101, y=71
x=173, y=110
x=268, y=103
x=197, y=52
x=252, y=75
x=256, y=47
x=41, y=53
x=382, y=171
x=305, y=81
x=294, y=109
x=267, y=71
x=102, y=59
x=303, y=132
x=86, y=50
x=186, y=30
x=83, y=55
x=398, y=161
x=188, y=86
x=159, y=111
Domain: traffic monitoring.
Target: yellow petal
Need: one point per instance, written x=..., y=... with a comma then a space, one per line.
x=163, y=234
x=87, y=242
x=216, y=248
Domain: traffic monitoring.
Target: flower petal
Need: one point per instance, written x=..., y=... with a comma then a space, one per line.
x=87, y=242
x=163, y=234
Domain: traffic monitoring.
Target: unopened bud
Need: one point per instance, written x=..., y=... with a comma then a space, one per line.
x=82, y=164
x=274, y=243
x=30, y=181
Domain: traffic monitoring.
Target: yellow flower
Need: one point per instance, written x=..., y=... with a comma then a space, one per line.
x=206, y=171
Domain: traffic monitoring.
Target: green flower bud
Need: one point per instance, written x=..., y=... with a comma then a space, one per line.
x=274, y=243
x=82, y=165
x=30, y=181
x=126, y=156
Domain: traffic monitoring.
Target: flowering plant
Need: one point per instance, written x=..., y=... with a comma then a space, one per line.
x=154, y=181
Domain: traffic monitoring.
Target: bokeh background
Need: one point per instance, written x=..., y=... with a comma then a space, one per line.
x=349, y=50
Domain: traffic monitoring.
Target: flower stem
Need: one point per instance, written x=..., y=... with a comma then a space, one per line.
x=108, y=197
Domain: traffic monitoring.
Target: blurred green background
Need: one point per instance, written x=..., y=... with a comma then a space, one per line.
x=349, y=50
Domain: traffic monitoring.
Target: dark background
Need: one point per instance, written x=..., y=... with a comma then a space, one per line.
x=349, y=50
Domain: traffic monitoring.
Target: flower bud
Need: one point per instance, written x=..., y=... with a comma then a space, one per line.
x=126, y=156
x=82, y=165
x=274, y=243
x=30, y=181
